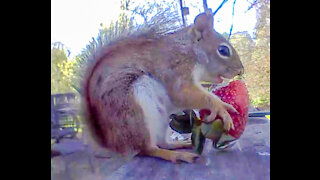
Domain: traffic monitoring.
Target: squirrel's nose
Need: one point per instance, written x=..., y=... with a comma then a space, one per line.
x=241, y=71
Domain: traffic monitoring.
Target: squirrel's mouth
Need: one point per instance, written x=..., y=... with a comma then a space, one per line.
x=225, y=77
x=217, y=80
x=220, y=79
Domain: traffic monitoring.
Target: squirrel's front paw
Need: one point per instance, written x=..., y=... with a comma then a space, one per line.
x=221, y=108
x=228, y=123
x=184, y=156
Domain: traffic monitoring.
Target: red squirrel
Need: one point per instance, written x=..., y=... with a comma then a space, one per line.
x=135, y=83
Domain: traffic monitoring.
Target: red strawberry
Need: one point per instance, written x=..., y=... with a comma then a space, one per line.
x=235, y=94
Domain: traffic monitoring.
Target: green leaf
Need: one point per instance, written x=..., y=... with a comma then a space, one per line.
x=213, y=130
x=181, y=127
x=182, y=123
x=198, y=139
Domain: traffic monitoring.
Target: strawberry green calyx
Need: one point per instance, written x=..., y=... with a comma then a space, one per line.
x=198, y=139
x=213, y=130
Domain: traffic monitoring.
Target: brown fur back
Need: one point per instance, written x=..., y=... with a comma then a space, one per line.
x=112, y=114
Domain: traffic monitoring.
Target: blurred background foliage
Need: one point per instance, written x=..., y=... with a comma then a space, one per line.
x=254, y=53
x=61, y=70
x=164, y=16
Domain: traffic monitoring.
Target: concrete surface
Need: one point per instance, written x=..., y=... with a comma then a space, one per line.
x=249, y=159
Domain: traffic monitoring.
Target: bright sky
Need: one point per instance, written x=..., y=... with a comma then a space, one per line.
x=75, y=22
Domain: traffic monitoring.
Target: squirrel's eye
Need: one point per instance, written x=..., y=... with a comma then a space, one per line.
x=224, y=50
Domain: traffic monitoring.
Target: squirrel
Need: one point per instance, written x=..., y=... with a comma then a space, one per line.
x=136, y=83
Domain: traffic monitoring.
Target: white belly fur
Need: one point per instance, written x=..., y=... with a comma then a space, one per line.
x=147, y=92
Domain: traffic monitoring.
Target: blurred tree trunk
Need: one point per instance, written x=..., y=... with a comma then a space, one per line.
x=205, y=5
x=182, y=15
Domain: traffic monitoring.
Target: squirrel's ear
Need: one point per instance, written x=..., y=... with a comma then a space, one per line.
x=202, y=22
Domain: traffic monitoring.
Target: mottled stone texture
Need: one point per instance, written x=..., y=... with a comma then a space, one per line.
x=249, y=159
